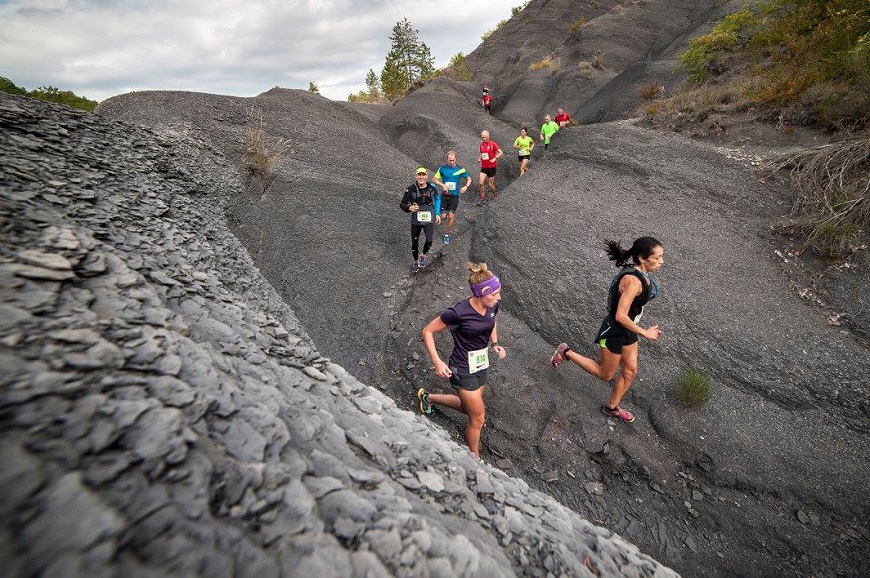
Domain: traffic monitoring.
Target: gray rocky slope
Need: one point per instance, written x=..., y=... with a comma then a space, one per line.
x=769, y=478
x=598, y=67
x=164, y=414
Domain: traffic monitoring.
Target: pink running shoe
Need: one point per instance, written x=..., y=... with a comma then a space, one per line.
x=559, y=355
x=620, y=413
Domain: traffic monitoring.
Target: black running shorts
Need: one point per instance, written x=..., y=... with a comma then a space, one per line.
x=449, y=203
x=461, y=379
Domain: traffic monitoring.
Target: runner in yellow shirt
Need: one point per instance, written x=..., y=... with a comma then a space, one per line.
x=524, y=144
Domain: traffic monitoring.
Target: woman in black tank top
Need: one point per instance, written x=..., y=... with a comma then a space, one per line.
x=631, y=289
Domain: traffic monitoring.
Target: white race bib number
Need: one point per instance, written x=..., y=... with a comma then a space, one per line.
x=478, y=359
x=484, y=156
x=424, y=216
x=451, y=186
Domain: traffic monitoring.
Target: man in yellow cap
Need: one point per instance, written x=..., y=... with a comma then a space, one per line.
x=423, y=201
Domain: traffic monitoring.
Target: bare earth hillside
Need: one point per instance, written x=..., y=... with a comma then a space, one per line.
x=164, y=414
x=768, y=478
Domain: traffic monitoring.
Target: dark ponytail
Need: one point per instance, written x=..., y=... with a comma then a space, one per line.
x=642, y=247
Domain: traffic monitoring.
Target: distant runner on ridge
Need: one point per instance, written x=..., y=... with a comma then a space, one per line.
x=423, y=201
x=449, y=178
x=488, y=158
x=548, y=129
x=524, y=145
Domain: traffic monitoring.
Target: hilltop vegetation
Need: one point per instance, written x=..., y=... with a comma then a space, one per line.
x=805, y=62
x=49, y=94
x=798, y=63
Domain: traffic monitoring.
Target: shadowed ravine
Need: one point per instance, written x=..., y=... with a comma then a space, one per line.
x=202, y=376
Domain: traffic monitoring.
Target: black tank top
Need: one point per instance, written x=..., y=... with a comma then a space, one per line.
x=611, y=326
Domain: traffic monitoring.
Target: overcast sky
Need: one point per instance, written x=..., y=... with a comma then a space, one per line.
x=101, y=48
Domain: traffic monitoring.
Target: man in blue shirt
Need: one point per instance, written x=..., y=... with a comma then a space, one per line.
x=449, y=178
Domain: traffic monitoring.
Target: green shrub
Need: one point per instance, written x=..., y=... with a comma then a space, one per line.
x=696, y=60
x=49, y=94
x=693, y=387
x=790, y=47
x=459, y=67
x=7, y=85
x=517, y=9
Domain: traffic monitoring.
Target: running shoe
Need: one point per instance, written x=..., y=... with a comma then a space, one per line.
x=559, y=355
x=445, y=239
x=425, y=404
x=481, y=202
x=422, y=261
x=415, y=266
x=620, y=413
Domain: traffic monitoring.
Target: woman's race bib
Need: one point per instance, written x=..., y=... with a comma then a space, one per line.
x=478, y=359
x=484, y=156
x=424, y=216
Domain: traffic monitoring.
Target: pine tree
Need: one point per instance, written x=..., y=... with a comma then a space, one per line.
x=373, y=84
x=408, y=61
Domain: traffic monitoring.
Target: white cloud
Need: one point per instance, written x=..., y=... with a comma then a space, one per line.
x=102, y=48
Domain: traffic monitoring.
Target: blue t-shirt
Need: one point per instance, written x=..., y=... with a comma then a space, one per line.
x=470, y=330
x=451, y=176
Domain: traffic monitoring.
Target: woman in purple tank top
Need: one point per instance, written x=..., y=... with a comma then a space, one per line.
x=472, y=323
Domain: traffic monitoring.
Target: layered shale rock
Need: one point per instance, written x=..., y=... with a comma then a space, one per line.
x=163, y=412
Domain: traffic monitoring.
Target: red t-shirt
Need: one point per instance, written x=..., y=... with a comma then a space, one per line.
x=560, y=118
x=487, y=99
x=488, y=149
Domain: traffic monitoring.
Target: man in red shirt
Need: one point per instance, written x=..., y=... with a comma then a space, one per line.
x=488, y=157
x=562, y=118
x=486, y=101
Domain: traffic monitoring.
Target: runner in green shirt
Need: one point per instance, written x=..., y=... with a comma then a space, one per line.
x=548, y=129
x=524, y=144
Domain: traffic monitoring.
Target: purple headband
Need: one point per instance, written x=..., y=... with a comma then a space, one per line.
x=485, y=287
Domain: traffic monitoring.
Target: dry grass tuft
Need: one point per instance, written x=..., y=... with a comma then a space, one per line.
x=545, y=62
x=262, y=153
x=598, y=60
x=577, y=24
x=697, y=105
x=651, y=91
x=832, y=194
x=586, y=70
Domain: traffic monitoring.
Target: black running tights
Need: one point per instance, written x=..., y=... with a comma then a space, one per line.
x=415, y=238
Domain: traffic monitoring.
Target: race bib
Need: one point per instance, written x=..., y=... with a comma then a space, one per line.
x=484, y=156
x=451, y=186
x=424, y=216
x=478, y=359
